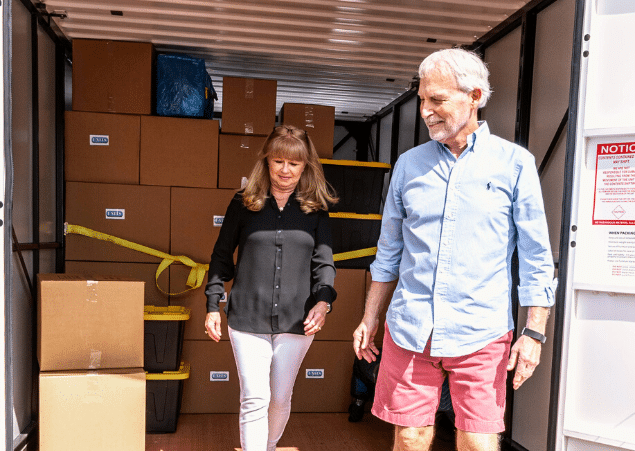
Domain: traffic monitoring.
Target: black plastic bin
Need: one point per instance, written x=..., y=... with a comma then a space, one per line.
x=359, y=185
x=354, y=239
x=163, y=399
x=163, y=337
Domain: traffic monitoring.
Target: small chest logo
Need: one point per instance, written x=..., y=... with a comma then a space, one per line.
x=99, y=140
x=219, y=376
x=115, y=213
x=218, y=220
x=315, y=374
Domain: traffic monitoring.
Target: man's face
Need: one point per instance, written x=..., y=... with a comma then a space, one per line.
x=449, y=113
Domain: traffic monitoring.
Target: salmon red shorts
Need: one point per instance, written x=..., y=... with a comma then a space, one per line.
x=408, y=388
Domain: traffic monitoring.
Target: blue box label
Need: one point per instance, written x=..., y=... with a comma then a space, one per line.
x=99, y=140
x=115, y=213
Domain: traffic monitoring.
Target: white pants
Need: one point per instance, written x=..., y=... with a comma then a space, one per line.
x=267, y=367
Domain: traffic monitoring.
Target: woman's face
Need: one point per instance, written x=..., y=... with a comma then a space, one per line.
x=284, y=174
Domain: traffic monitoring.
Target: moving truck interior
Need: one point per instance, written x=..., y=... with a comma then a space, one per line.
x=561, y=73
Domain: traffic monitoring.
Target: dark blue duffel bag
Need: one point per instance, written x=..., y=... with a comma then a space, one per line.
x=183, y=88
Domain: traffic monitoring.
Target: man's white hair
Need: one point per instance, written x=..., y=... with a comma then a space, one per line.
x=469, y=71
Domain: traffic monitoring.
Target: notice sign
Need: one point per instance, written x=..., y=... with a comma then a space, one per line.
x=614, y=201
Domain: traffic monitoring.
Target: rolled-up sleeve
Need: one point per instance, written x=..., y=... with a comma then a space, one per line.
x=536, y=270
x=385, y=267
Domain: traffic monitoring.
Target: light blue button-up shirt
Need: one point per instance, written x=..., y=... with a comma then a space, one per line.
x=449, y=229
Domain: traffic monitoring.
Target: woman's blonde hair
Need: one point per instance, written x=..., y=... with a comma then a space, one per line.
x=286, y=141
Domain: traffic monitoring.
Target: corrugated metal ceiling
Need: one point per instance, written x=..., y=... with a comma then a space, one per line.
x=356, y=55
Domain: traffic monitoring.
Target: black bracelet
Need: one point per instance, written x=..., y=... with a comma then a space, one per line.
x=533, y=334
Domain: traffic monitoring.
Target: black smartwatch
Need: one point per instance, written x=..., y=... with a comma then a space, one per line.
x=533, y=334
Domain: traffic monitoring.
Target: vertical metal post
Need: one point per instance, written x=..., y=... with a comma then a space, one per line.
x=35, y=150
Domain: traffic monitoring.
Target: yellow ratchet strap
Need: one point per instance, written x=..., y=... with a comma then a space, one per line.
x=197, y=271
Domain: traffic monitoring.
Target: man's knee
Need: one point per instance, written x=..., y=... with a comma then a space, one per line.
x=471, y=441
x=413, y=439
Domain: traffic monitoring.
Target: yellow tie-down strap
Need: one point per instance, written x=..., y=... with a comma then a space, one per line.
x=355, y=163
x=197, y=271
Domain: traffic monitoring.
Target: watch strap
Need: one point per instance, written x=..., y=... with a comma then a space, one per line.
x=533, y=334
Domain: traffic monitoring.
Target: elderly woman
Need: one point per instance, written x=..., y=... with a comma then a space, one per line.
x=282, y=282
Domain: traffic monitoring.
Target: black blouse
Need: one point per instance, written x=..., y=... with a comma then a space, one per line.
x=284, y=266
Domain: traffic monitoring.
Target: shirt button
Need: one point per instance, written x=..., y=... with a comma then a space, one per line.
x=279, y=231
x=277, y=286
x=278, y=267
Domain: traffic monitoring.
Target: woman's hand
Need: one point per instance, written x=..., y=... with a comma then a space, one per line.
x=212, y=326
x=316, y=318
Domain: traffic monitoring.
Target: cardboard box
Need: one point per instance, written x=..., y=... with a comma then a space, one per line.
x=113, y=76
x=139, y=271
x=95, y=410
x=324, y=380
x=196, y=219
x=317, y=120
x=101, y=147
x=348, y=308
x=249, y=106
x=140, y=214
x=195, y=301
x=213, y=385
x=237, y=155
x=89, y=324
x=179, y=152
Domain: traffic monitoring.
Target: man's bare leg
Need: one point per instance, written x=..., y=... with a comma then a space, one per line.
x=471, y=441
x=413, y=439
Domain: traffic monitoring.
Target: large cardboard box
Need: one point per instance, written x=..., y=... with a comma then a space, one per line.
x=139, y=271
x=140, y=214
x=89, y=324
x=92, y=410
x=348, y=307
x=213, y=385
x=113, y=76
x=101, y=147
x=196, y=302
x=324, y=380
x=317, y=120
x=196, y=218
x=179, y=152
x=249, y=106
x=237, y=155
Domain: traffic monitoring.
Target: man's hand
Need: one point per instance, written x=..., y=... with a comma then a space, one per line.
x=525, y=357
x=363, y=343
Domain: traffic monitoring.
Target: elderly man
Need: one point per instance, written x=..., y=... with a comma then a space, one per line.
x=456, y=209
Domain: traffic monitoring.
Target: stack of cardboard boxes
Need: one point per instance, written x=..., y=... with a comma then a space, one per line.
x=165, y=183
x=90, y=350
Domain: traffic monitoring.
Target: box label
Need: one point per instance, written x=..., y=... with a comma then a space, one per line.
x=219, y=376
x=218, y=220
x=99, y=140
x=315, y=373
x=115, y=213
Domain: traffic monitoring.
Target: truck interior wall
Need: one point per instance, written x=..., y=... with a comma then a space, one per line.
x=549, y=101
x=22, y=144
x=34, y=175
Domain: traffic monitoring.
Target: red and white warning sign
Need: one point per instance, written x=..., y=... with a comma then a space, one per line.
x=614, y=200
